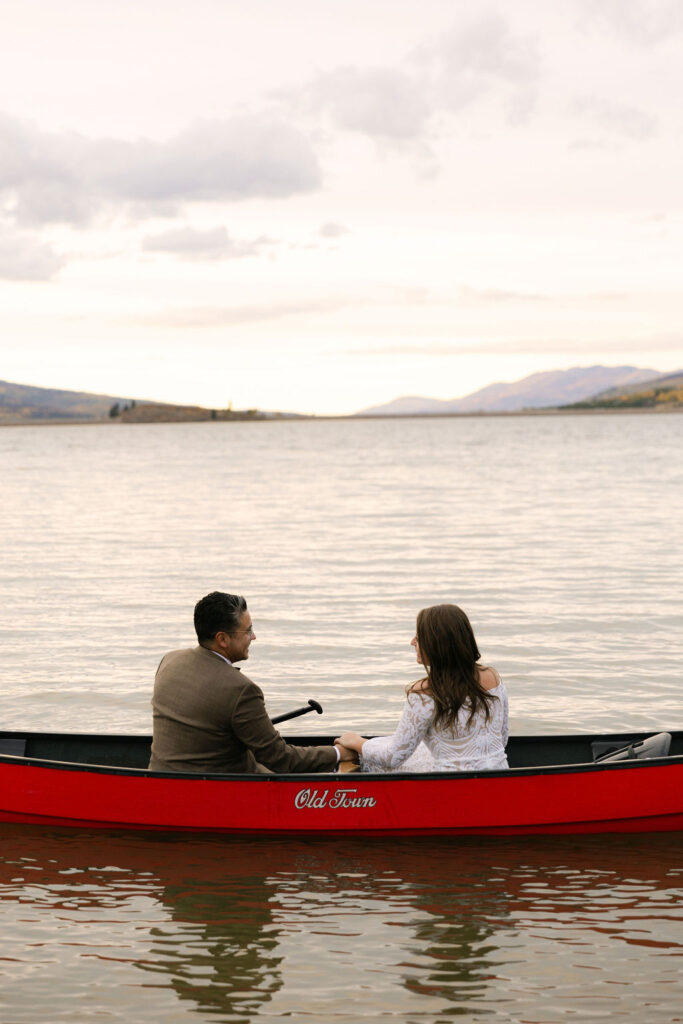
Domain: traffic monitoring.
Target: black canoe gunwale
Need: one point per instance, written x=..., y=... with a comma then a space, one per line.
x=358, y=777
x=581, y=767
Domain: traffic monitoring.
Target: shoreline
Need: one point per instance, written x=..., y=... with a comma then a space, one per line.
x=303, y=418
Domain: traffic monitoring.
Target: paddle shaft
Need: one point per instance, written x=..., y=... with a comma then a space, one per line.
x=311, y=706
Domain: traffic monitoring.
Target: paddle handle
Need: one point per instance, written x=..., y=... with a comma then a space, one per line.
x=311, y=706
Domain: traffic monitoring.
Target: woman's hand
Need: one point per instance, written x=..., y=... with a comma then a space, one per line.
x=346, y=753
x=351, y=740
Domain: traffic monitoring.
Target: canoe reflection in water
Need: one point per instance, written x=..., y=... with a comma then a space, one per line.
x=333, y=930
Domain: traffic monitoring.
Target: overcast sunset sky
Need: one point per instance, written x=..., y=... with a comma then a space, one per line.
x=319, y=205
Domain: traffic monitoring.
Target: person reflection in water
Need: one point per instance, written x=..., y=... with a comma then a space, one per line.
x=219, y=947
x=455, y=718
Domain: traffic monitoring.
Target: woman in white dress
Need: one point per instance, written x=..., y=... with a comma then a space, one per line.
x=455, y=718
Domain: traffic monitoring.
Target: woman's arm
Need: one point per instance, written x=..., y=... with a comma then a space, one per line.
x=385, y=753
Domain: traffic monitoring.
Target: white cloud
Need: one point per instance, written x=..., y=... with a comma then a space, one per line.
x=47, y=177
x=23, y=258
x=488, y=49
x=524, y=347
x=616, y=119
x=210, y=244
x=385, y=103
x=332, y=230
x=37, y=182
x=238, y=158
x=480, y=56
x=644, y=22
x=225, y=316
x=486, y=296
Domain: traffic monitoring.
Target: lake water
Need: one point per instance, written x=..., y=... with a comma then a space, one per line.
x=563, y=539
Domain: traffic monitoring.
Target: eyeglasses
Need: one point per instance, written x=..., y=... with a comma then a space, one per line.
x=232, y=632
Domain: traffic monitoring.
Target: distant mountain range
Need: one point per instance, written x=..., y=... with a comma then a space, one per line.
x=21, y=403
x=664, y=392
x=583, y=387
x=661, y=381
x=541, y=390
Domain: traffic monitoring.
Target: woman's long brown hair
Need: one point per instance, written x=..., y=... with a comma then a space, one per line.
x=450, y=654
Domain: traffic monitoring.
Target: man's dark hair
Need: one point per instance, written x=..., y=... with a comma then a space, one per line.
x=218, y=613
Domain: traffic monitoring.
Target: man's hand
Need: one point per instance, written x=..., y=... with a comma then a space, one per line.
x=345, y=753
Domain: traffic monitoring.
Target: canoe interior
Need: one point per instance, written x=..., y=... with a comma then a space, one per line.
x=133, y=751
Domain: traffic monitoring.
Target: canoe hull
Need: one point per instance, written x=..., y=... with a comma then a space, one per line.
x=624, y=797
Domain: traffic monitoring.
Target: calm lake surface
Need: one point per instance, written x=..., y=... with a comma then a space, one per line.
x=563, y=539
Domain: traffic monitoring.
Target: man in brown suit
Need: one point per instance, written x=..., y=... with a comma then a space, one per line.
x=209, y=717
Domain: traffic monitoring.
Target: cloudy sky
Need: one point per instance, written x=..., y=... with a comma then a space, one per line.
x=319, y=205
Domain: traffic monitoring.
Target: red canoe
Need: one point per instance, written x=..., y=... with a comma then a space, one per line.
x=553, y=785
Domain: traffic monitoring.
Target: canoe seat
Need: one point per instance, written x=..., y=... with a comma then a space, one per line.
x=16, y=747
x=654, y=746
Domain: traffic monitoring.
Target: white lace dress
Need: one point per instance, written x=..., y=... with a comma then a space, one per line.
x=417, y=746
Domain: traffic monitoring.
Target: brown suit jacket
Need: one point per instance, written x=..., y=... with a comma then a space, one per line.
x=209, y=717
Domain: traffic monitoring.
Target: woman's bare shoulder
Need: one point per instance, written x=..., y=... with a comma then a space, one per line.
x=421, y=686
x=488, y=677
